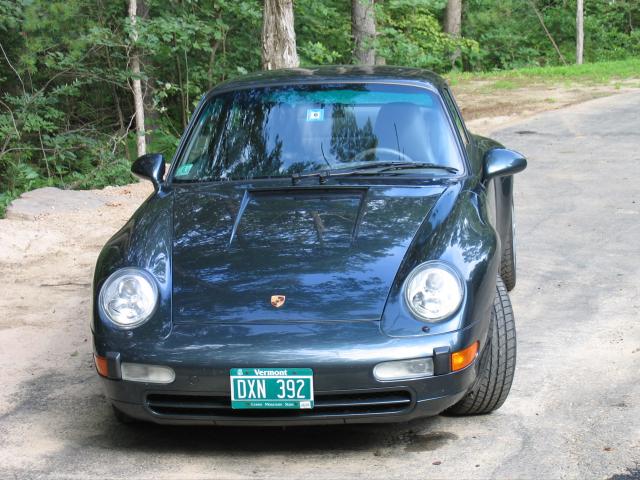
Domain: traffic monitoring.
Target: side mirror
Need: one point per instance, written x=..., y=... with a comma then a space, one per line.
x=501, y=162
x=150, y=167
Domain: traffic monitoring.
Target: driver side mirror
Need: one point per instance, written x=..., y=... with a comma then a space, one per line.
x=150, y=167
x=501, y=162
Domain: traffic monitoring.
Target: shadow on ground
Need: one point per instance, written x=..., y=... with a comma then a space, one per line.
x=147, y=438
x=84, y=417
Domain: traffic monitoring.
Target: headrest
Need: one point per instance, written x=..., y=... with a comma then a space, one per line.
x=403, y=127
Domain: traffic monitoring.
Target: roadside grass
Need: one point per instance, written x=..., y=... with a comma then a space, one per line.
x=589, y=74
x=5, y=200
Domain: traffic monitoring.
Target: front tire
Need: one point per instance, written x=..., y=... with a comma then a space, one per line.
x=497, y=362
x=508, y=261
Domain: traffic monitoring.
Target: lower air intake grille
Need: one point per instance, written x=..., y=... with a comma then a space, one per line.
x=326, y=404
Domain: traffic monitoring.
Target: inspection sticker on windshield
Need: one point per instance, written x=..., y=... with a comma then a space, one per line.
x=184, y=169
x=277, y=388
x=315, y=114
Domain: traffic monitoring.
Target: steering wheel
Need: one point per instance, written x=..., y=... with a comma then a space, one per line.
x=390, y=151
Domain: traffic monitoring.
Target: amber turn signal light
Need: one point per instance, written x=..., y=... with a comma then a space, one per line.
x=463, y=358
x=101, y=365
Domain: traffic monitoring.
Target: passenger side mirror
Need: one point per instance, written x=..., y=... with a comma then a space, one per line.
x=150, y=167
x=501, y=162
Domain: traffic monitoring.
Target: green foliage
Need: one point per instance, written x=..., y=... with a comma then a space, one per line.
x=66, y=105
x=510, y=34
x=611, y=31
x=410, y=34
x=323, y=31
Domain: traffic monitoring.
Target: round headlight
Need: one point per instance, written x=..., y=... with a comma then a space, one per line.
x=433, y=291
x=129, y=297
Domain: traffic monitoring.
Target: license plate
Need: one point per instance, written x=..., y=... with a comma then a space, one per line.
x=272, y=388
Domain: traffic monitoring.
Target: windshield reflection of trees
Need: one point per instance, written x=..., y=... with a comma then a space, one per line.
x=250, y=136
x=347, y=139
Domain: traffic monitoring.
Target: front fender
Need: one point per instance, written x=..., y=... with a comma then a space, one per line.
x=458, y=232
x=144, y=242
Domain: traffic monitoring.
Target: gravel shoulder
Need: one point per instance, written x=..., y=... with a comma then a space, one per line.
x=574, y=411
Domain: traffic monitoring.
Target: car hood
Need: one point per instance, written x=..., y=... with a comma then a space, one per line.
x=332, y=252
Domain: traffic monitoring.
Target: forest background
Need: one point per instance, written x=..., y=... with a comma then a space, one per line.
x=87, y=85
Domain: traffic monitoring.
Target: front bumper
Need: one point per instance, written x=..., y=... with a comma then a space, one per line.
x=345, y=389
x=399, y=403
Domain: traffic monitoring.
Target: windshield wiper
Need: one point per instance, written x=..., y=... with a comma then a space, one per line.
x=409, y=165
x=375, y=167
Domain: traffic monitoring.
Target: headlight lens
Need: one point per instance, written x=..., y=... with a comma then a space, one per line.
x=433, y=291
x=129, y=297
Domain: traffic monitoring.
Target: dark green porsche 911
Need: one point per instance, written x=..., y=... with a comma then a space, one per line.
x=329, y=245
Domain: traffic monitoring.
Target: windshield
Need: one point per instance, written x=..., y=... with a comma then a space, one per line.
x=281, y=131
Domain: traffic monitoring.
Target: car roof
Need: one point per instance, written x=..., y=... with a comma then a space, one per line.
x=334, y=74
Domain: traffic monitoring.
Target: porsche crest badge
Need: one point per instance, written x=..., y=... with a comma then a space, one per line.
x=277, y=300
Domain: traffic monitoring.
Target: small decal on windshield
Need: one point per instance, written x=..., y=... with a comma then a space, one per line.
x=184, y=169
x=315, y=114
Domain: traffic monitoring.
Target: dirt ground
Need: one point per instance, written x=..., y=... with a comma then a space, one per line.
x=486, y=108
x=49, y=243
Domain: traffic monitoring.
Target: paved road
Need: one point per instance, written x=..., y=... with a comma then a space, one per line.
x=574, y=411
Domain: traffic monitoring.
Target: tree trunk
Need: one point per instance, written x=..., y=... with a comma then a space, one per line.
x=136, y=83
x=278, y=35
x=151, y=118
x=453, y=24
x=116, y=97
x=453, y=17
x=215, y=44
x=363, y=30
x=579, y=32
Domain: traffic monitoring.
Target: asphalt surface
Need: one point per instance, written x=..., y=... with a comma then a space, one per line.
x=573, y=412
